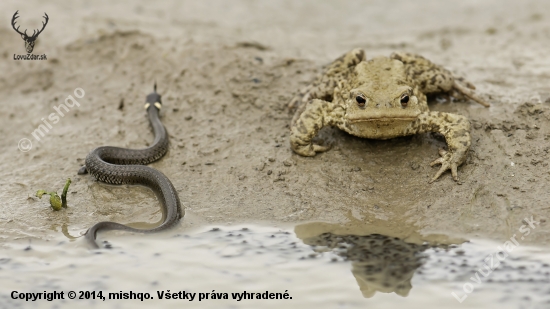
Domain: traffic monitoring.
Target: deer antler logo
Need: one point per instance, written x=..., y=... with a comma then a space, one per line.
x=29, y=40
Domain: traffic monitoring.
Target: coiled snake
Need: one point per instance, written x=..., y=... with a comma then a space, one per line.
x=114, y=165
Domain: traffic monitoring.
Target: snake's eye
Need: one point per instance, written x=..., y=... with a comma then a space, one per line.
x=404, y=100
x=360, y=101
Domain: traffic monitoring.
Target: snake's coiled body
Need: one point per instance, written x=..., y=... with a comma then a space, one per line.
x=118, y=166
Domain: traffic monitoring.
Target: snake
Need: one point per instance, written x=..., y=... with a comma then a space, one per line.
x=118, y=166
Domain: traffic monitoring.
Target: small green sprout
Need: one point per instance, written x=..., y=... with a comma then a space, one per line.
x=55, y=201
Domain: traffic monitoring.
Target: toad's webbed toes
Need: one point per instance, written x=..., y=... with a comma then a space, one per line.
x=467, y=90
x=466, y=83
x=447, y=163
x=458, y=95
x=320, y=148
x=310, y=150
x=294, y=103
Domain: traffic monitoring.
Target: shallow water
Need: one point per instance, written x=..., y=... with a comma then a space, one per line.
x=317, y=264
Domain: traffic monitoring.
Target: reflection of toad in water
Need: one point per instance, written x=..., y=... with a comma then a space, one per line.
x=379, y=263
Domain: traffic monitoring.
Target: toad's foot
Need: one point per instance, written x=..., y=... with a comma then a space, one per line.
x=447, y=162
x=456, y=129
x=309, y=119
x=309, y=150
x=466, y=89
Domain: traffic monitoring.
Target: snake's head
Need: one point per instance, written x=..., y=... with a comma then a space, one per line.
x=154, y=99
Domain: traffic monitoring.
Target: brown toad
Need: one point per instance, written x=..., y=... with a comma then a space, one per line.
x=382, y=98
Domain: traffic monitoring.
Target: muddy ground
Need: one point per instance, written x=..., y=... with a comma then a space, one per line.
x=227, y=70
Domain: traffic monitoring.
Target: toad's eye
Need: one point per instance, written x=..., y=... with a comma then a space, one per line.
x=360, y=101
x=404, y=100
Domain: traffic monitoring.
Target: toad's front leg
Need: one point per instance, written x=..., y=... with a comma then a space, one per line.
x=456, y=130
x=307, y=122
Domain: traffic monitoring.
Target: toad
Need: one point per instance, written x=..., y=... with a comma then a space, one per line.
x=382, y=98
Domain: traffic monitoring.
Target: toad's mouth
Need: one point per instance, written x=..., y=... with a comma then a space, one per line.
x=383, y=116
x=381, y=119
